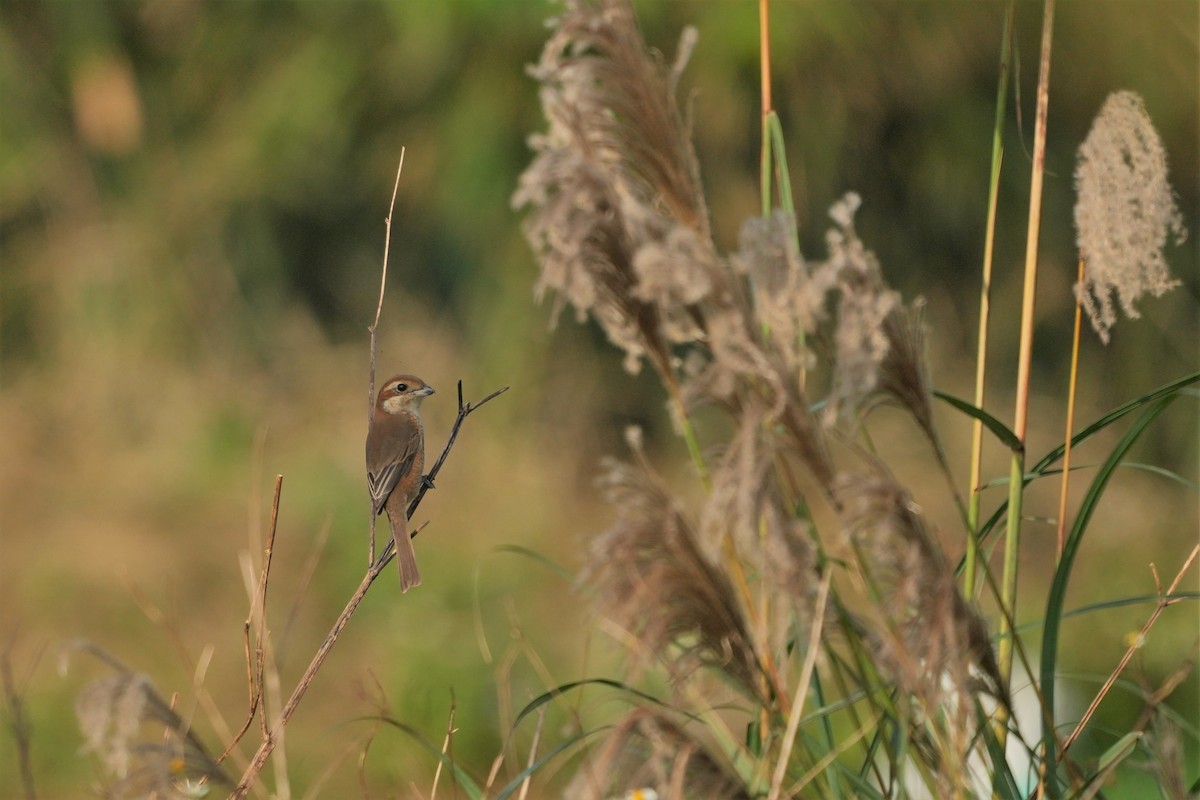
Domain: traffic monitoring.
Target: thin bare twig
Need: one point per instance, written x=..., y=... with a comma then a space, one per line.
x=289, y=708
x=1165, y=690
x=271, y=739
x=261, y=602
x=258, y=604
x=387, y=241
x=19, y=725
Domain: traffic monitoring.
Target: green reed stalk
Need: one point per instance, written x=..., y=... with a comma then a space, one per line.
x=985, y=291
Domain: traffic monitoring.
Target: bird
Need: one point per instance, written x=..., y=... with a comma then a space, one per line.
x=395, y=459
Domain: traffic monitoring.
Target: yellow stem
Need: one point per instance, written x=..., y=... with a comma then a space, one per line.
x=1074, y=384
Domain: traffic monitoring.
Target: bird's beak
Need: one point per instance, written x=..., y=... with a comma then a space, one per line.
x=428, y=390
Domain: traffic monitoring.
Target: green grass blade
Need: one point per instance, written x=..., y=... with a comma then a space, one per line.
x=541, y=700
x=998, y=428
x=1172, y=389
x=785, y=184
x=1058, y=589
x=461, y=777
x=1004, y=784
x=516, y=782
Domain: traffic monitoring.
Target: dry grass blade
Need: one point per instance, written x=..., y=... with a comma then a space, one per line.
x=647, y=752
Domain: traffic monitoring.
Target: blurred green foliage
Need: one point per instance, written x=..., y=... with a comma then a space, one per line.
x=191, y=206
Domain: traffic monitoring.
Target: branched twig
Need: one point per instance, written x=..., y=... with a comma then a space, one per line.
x=272, y=736
x=1165, y=690
x=1158, y=609
x=261, y=602
x=255, y=667
x=285, y=714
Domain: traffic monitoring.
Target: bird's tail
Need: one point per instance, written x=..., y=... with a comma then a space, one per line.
x=406, y=558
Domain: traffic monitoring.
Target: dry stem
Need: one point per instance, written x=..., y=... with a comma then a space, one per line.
x=258, y=605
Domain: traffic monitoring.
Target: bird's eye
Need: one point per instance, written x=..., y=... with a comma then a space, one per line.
x=401, y=387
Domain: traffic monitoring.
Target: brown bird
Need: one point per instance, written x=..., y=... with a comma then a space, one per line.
x=395, y=458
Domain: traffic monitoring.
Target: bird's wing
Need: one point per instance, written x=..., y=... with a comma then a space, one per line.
x=384, y=480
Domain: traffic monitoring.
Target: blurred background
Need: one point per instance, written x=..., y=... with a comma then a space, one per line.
x=192, y=199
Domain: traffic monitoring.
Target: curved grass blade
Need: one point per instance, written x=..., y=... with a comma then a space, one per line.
x=1172, y=389
x=1108, y=605
x=461, y=777
x=516, y=782
x=534, y=555
x=558, y=691
x=477, y=610
x=998, y=428
x=1058, y=589
x=1169, y=474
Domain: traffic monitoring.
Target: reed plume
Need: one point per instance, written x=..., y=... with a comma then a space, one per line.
x=1125, y=212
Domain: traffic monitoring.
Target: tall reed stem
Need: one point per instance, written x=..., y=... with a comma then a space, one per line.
x=1012, y=533
x=985, y=292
